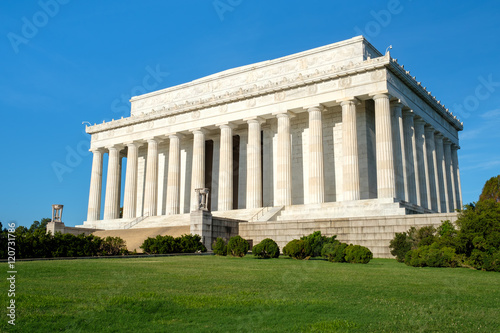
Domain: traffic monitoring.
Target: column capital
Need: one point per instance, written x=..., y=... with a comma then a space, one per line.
x=316, y=107
x=153, y=139
x=419, y=121
x=287, y=114
x=115, y=147
x=97, y=150
x=397, y=104
x=348, y=101
x=227, y=125
x=175, y=135
x=438, y=135
x=446, y=141
x=455, y=146
x=408, y=113
x=199, y=130
x=380, y=94
x=259, y=120
x=136, y=144
x=429, y=129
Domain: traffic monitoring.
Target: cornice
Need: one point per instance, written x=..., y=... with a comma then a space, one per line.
x=271, y=87
x=422, y=92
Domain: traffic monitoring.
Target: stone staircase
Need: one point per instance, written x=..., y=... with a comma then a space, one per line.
x=163, y=221
x=344, y=209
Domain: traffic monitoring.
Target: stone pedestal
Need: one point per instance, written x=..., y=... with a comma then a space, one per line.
x=201, y=224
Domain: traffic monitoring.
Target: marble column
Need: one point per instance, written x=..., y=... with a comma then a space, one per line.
x=130, y=196
x=450, y=188
x=94, y=208
x=386, y=187
x=350, y=168
x=284, y=161
x=198, y=167
x=441, y=170
x=316, y=172
x=225, y=197
x=111, y=210
x=399, y=151
x=421, y=162
x=435, y=203
x=413, y=194
x=174, y=175
x=254, y=164
x=456, y=176
x=151, y=186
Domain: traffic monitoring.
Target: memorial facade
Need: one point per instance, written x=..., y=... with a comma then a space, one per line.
x=337, y=131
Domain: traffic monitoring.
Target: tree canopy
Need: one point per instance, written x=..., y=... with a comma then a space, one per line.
x=491, y=189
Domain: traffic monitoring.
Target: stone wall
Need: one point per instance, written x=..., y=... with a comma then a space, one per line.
x=372, y=232
x=54, y=227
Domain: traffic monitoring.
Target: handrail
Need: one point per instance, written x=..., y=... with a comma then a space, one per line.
x=256, y=216
x=134, y=222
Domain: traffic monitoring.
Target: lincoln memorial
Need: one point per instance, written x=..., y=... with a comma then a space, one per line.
x=341, y=138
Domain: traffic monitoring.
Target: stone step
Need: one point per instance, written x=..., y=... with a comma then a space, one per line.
x=271, y=215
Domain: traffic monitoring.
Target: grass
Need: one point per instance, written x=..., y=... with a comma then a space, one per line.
x=223, y=294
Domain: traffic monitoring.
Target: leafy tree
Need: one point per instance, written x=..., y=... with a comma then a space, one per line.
x=491, y=189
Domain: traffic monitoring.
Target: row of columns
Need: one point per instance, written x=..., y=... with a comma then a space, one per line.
x=413, y=164
x=429, y=175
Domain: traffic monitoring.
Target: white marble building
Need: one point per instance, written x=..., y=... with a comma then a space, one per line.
x=337, y=131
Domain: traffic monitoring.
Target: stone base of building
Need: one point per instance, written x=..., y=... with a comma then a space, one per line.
x=371, y=223
x=343, y=209
x=372, y=232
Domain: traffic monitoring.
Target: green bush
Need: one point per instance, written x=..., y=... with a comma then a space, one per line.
x=237, y=246
x=168, y=244
x=297, y=249
x=266, y=249
x=190, y=244
x=35, y=242
x=400, y=245
x=334, y=252
x=219, y=247
x=431, y=256
x=358, y=254
x=316, y=242
x=112, y=246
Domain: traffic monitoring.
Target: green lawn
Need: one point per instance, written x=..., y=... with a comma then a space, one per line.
x=222, y=294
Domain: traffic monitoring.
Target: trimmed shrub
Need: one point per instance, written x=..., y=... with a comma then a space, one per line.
x=219, y=247
x=329, y=252
x=297, y=249
x=431, y=256
x=237, y=246
x=400, y=245
x=266, y=249
x=190, y=244
x=358, y=254
x=316, y=242
x=112, y=246
x=168, y=244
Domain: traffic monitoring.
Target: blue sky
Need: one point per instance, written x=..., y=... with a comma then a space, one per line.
x=65, y=62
